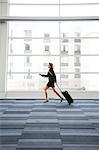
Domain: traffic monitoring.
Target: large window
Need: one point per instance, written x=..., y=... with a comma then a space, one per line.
x=54, y=8
x=71, y=46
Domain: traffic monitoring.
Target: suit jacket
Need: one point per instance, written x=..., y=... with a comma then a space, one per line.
x=51, y=75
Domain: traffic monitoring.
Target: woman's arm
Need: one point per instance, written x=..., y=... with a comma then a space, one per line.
x=43, y=75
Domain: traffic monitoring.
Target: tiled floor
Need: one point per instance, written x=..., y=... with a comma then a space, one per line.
x=34, y=125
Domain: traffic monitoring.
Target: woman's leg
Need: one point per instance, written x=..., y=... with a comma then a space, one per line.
x=56, y=92
x=45, y=90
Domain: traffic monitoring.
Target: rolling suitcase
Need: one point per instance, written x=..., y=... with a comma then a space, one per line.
x=66, y=95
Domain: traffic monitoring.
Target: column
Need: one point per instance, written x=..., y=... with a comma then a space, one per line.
x=3, y=48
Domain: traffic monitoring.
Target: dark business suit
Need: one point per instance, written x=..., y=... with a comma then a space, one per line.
x=51, y=77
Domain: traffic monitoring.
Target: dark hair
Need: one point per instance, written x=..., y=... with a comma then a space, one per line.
x=51, y=65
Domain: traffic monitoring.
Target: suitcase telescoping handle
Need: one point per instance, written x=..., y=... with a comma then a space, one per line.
x=58, y=87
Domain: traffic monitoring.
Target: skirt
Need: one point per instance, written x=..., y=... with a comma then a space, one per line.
x=50, y=84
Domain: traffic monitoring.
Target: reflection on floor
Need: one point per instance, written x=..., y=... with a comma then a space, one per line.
x=34, y=125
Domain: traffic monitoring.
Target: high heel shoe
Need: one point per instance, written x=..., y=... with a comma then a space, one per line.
x=69, y=103
x=61, y=100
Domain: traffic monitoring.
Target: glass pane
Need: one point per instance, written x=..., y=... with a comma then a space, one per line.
x=25, y=82
x=34, y=10
x=82, y=63
x=19, y=82
x=78, y=10
x=90, y=82
x=86, y=28
x=53, y=59
x=85, y=82
x=90, y=46
x=89, y=64
x=34, y=47
x=16, y=64
x=70, y=82
x=38, y=29
x=67, y=64
x=35, y=1
x=67, y=48
x=16, y=46
x=78, y=1
x=43, y=47
x=32, y=63
x=29, y=39
x=88, y=36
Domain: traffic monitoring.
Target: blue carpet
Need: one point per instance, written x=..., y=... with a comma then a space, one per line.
x=34, y=125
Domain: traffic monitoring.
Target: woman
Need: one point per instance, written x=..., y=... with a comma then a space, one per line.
x=52, y=79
